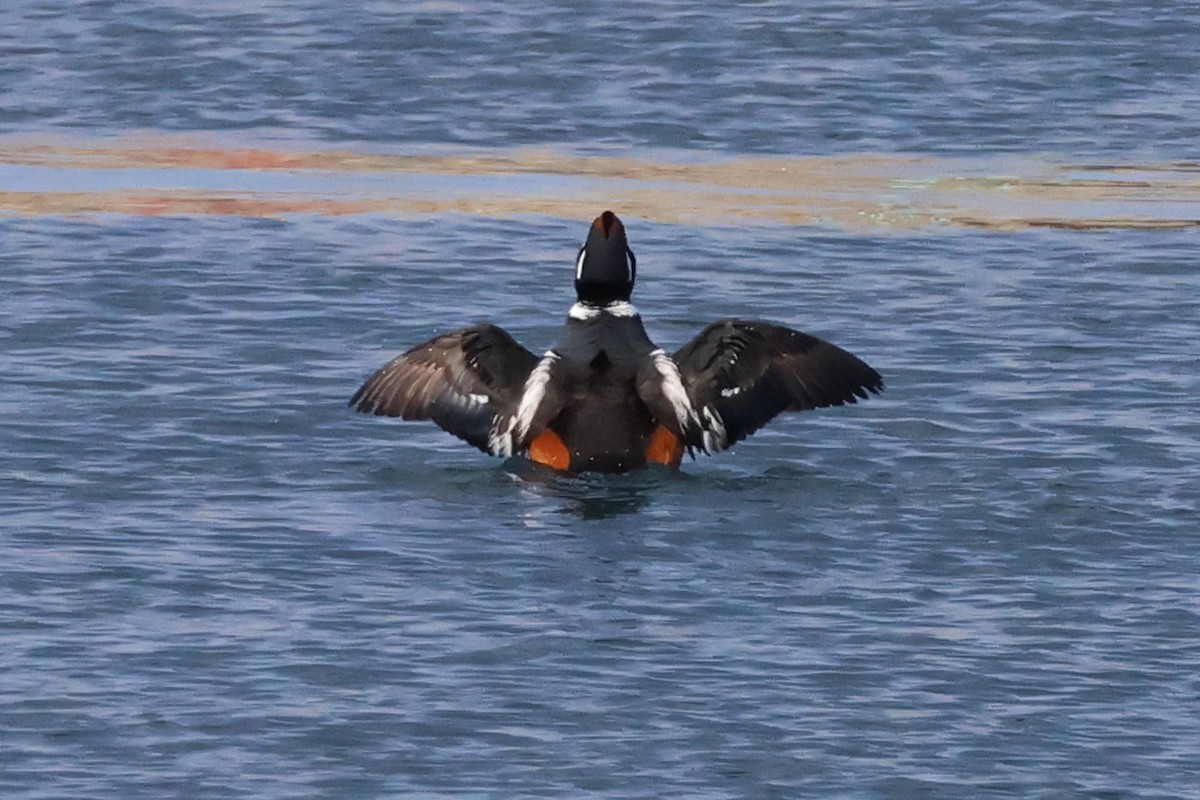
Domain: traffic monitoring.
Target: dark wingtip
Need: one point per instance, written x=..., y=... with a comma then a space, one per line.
x=360, y=403
x=870, y=385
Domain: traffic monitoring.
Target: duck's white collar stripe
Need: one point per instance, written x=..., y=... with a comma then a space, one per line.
x=585, y=311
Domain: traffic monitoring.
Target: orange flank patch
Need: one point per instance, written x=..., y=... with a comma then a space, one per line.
x=548, y=449
x=664, y=448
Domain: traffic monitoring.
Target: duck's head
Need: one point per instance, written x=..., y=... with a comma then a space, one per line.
x=606, y=268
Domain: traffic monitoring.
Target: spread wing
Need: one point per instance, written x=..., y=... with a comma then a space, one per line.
x=462, y=380
x=739, y=374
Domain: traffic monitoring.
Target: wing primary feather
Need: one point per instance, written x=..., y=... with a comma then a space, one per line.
x=463, y=380
x=745, y=372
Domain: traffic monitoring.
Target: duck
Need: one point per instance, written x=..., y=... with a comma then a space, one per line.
x=605, y=397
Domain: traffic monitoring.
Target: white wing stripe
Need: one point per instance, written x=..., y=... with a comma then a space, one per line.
x=535, y=392
x=715, y=435
x=503, y=443
x=673, y=389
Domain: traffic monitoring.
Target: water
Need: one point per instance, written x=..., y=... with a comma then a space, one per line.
x=217, y=581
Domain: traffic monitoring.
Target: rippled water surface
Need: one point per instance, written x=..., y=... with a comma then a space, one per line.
x=216, y=219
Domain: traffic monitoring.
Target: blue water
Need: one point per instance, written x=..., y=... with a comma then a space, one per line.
x=967, y=76
x=216, y=581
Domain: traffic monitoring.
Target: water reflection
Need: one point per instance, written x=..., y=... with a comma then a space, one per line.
x=593, y=496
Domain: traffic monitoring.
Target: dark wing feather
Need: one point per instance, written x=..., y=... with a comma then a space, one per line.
x=747, y=372
x=461, y=380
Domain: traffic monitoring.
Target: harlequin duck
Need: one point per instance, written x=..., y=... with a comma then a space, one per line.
x=606, y=398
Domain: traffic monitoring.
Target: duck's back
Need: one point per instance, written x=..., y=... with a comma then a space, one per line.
x=604, y=424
